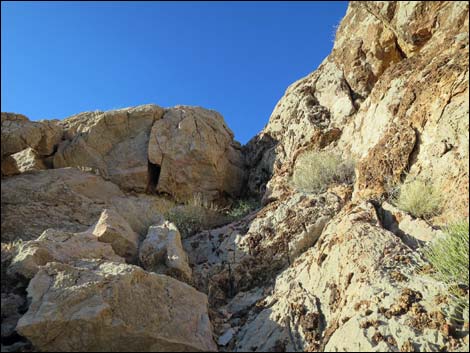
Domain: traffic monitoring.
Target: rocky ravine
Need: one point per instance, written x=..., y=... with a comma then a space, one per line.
x=99, y=268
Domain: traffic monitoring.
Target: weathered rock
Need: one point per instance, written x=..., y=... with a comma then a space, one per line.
x=59, y=246
x=392, y=95
x=28, y=160
x=196, y=153
x=11, y=312
x=111, y=228
x=70, y=200
x=357, y=289
x=249, y=253
x=112, y=143
x=162, y=252
x=106, y=306
x=18, y=133
x=413, y=232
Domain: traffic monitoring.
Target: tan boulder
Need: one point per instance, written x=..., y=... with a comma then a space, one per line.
x=71, y=200
x=109, y=306
x=197, y=154
x=162, y=251
x=112, y=143
x=58, y=246
x=19, y=133
x=111, y=228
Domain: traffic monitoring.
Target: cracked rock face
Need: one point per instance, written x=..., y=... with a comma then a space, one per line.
x=112, y=144
x=396, y=82
x=109, y=306
x=197, y=154
x=340, y=270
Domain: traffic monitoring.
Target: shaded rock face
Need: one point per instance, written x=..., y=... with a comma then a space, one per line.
x=196, y=153
x=106, y=306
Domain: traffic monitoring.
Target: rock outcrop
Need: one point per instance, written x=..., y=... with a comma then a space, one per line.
x=196, y=153
x=113, y=144
x=393, y=95
x=340, y=269
x=109, y=306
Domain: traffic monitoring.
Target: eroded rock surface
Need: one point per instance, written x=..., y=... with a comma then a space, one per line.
x=59, y=246
x=70, y=200
x=111, y=228
x=197, y=154
x=162, y=252
x=109, y=306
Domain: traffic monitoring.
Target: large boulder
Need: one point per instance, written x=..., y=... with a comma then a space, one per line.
x=70, y=200
x=113, y=144
x=108, y=306
x=19, y=133
x=196, y=153
x=162, y=252
x=59, y=246
x=111, y=228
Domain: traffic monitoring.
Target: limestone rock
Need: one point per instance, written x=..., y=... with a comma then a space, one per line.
x=59, y=246
x=70, y=200
x=106, y=306
x=249, y=253
x=111, y=228
x=413, y=232
x=337, y=297
x=19, y=133
x=112, y=143
x=28, y=160
x=162, y=251
x=392, y=95
x=197, y=154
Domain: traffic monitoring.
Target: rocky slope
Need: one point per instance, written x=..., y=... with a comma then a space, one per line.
x=89, y=262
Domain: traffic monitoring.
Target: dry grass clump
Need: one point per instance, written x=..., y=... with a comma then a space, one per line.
x=449, y=256
x=315, y=171
x=419, y=198
x=196, y=215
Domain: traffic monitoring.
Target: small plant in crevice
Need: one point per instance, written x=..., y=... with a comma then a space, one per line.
x=314, y=171
x=449, y=257
x=418, y=197
x=243, y=207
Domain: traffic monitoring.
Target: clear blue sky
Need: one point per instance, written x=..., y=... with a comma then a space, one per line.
x=62, y=58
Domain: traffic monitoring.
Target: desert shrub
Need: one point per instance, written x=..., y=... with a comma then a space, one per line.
x=449, y=256
x=196, y=215
x=315, y=171
x=419, y=198
x=242, y=207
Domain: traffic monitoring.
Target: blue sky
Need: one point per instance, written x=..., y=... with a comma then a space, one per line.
x=62, y=58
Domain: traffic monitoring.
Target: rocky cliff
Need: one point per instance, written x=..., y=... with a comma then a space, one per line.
x=93, y=258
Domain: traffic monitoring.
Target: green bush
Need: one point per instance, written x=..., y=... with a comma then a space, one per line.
x=315, y=171
x=449, y=256
x=419, y=198
x=242, y=207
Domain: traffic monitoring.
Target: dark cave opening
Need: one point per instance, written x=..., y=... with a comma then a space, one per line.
x=153, y=175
